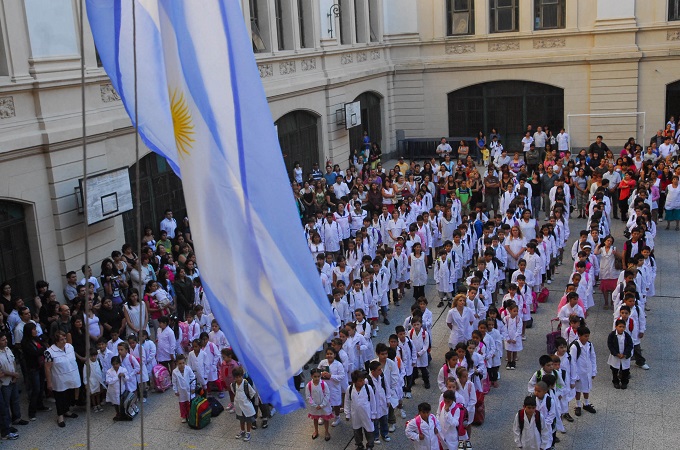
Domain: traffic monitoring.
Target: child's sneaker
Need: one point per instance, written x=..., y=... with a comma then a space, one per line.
x=221, y=395
x=241, y=435
x=336, y=422
x=183, y=420
x=387, y=439
x=230, y=407
x=403, y=414
x=589, y=408
x=246, y=438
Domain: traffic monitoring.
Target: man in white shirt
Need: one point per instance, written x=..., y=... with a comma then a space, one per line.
x=169, y=224
x=614, y=179
x=88, y=278
x=340, y=187
x=444, y=148
x=539, y=141
x=562, y=141
x=665, y=148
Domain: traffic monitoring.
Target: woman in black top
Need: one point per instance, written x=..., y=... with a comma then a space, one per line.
x=76, y=337
x=34, y=358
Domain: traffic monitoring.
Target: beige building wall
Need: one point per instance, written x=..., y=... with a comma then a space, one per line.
x=612, y=56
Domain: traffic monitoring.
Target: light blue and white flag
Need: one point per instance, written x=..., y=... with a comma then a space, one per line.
x=202, y=106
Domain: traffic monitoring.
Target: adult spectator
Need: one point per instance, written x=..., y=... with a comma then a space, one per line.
x=5, y=299
x=133, y=310
x=13, y=319
x=169, y=224
x=184, y=290
x=8, y=381
x=657, y=139
x=539, y=141
x=548, y=179
x=665, y=149
x=63, y=323
x=598, y=147
x=113, y=283
x=492, y=190
x=403, y=166
x=25, y=315
x=316, y=173
x=527, y=140
x=61, y=373
x=33, y=351
x=341, y=189
x=110, y=318
x=50, y=310
x=562, y=141
x=147, y=274
x=444, y=148
x=329, y=176
x=71, y=288
x=88, y=278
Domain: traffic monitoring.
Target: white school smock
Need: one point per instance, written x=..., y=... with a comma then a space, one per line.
x=448, y=420
x=65, y=374
x=461, y=328
x=133, y=368
x=318, y=395
x=418, y=425
x=182, y=383
x=467, y=396
x=514, y=333
x=218, y=338
x=94, y=382
x=530, y=438
x=114, y=385
x=359, y=408
x=381, y=397
x=143, y=375
x=421, y=343
x=335, y=383
x=418, y=270
x=585, y=367
x=199, y=364
x=166, y=344
x=214, y=358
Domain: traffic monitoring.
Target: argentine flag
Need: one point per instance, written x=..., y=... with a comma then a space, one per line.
x=201, y=105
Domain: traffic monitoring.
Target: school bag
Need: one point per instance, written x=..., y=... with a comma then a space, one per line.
x=578, y=348
x=185, y=335
x=419, y=422
x=460, y=426
x=161, y=378
x=252, y=396
x=215, y=406
x=543, y=295
x=128, y=403
x=480, y=410
x=520, y=416
x=550, y=337
x=200, y=411
x=368, y=392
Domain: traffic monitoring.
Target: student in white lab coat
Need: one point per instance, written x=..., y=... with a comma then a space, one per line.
x=217, y=336
x=529, y=428
x=116, y=379
x=143, y=374
x=198, y=361
x=546, y=406
x=451, y=417
x=421, y=344
x=183, y=384
x=165, y=344
x=334, y=375
x=131, y=365
x=376, y=379
x=584, y=368
x=318, y=394
x=95, y=381
x=392, y=377
x=245, y=399
x=423, y=430
x=361, y=409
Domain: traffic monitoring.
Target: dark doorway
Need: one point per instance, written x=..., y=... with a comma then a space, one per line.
x=15, y=255
x=371, y=121
x=672, y=100
x=161, y=189
x=508, y=106
x=299, y=140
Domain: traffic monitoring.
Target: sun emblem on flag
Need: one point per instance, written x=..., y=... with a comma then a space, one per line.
x=181, y=123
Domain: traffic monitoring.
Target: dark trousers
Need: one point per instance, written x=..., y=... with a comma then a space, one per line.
x=620, y=375
x=623, y=207
x=408, y=383
x=391, y=418
x=491, y=201
x=395, y=295
x=418, y=291
x=423, y=373
x=493, y=373
x=637, y=355
x=359, y=434
x=381, y=425
x=4, y=417
x=36, y=391
x=10, y=394
x=63, y=401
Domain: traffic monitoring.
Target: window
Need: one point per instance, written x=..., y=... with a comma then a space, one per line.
x=374, y=20
x=549, y=14
x=4, y=71
x=460, y=17
x=345, y=19
x=258, y=42
x=301, y=23
x=504, y=15
x=673, y=10
x=278, y=12
x=299, y=139
x=360, y=21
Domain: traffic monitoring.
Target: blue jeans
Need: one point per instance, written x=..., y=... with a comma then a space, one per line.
x=382, y=425
x=10, y=395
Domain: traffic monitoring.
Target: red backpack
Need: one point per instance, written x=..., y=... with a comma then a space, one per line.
x=461, y=418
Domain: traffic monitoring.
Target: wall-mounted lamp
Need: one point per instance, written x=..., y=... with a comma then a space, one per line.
x=332, y=14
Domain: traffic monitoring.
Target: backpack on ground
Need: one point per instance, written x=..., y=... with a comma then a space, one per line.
x=543, y=295
x=200, y=412
x=161, y=378
x=128, y=408
x=552, y=336
x=215, y=406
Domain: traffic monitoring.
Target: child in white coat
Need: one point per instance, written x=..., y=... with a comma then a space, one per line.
x=466, y=395
x=183, y=384
x=423, y=430
x=376, y=379
x=198, y=361
x=529, y=427
x=318, y=395
x=451, y=417
x=421, y=344
x=95, y=381
x=130, y=364
x=361, y=409
x=584, y=368
x=334, y=375
x=116, y=380
x=245, y=398
x=217, y=336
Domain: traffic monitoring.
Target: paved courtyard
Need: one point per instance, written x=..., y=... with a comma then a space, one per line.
x=643, y=417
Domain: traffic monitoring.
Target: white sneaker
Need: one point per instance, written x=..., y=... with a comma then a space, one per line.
x=336, y=422
x=144, y=400
x=549, y=281
x=391, y=429
x=524, y=338
x=377, y=442
x=272, y=413
x=645, y=366
x=403, y=414
x=320, y=421
x=375, y=333
x=387, y=439
x=183, y=420
x=408, y=395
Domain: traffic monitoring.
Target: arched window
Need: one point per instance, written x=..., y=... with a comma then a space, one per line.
x=672, y=100
x=371, y=121
x=161, y=189
x=15, y=255
x=299, y=140
x=508, y=106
